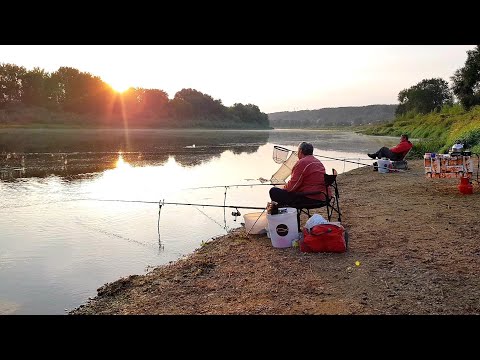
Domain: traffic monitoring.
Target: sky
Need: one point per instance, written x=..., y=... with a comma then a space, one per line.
x=273, y=77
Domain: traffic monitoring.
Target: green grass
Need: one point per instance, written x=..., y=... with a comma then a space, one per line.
x=435, y=132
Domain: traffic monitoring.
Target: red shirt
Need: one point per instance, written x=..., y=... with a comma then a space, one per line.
x=402, y=148
x=307, y=175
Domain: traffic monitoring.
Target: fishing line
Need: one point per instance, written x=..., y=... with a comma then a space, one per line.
x=111, y=234
x=344, y=160
x=216, y=222
x=37, y=204
x=248, y=233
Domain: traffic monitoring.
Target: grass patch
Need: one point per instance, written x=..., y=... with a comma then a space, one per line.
x=435, y=132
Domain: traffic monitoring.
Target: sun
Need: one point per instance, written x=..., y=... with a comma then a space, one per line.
x=119, y=86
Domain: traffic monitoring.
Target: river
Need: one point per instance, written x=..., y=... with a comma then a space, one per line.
x=59, y=242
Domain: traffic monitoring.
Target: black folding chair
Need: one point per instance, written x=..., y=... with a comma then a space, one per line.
x=401, y=164
x=331, y=202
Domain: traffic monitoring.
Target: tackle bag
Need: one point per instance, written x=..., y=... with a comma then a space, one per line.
x=324, y=238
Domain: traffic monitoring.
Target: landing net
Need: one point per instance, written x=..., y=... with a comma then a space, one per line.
x=280, y=154
x=285, y=170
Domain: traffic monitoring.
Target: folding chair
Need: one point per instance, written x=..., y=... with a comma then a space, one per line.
x=401, y=164
x=331, y=202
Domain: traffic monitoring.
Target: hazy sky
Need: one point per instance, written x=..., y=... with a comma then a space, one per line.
x=274, y=77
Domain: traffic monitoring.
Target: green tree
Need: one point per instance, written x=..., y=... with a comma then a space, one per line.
x=34, y=89
x=248, y=114
x=466, y=80
x=11, y=83
x=426, y=96
x=66, y=79
x=155, y=101
x=76, y=90
x=201, y=105
x=180, y=109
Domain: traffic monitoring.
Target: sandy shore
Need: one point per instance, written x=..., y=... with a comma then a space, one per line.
x=417, y=241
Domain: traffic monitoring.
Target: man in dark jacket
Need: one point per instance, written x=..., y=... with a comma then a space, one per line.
x=395, y=153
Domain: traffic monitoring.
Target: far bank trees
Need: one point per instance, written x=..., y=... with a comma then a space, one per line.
x=72, y=91
x=466, y=80
x=426, y=96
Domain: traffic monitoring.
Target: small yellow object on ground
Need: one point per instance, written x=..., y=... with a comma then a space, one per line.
x=357, y=263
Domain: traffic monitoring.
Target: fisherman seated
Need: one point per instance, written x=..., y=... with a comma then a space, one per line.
x=395, y=153
x=307, y=177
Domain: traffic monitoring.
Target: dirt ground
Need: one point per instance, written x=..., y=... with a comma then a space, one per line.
x=417, y=241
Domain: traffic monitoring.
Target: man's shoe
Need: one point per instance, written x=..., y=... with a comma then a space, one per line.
x=372, y=156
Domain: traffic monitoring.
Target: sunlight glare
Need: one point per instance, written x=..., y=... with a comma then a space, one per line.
x=122, y=164
x=119, y=86
x=127, y=182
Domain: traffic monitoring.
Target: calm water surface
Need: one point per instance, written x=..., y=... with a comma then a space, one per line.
x=59, y=242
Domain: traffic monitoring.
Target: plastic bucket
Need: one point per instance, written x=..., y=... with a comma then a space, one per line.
x=255, y=223
x=465, y=187
x=383, y=165
x=283, y=228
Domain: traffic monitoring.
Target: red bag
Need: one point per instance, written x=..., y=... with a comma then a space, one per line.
x=324, y=238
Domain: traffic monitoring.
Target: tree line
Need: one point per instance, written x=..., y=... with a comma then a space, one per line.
x=72, y=91
x=429, y=95
x=333, y=117
x=436, y=114
x=432, y=94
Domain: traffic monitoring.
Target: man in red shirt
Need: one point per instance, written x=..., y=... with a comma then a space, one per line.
x=395, y=153
x=307, y=177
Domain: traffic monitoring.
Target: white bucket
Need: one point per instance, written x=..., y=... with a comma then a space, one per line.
x=283, y=228
x=255, y=223
x=383, y=165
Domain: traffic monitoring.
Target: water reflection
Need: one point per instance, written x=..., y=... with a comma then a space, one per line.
x=73, y=152
x=67, y=153
x=121, y=163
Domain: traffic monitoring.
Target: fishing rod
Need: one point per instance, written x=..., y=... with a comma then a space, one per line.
x=176, y=203
x=162, y=202
x=233, y=185
x=353, y=162
x=343, y=160
x=266, y=183
x=279, y=151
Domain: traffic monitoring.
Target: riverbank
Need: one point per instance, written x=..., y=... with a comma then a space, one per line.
x=416, y=241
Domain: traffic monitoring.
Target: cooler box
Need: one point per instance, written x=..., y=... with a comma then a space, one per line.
x=447, y=166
